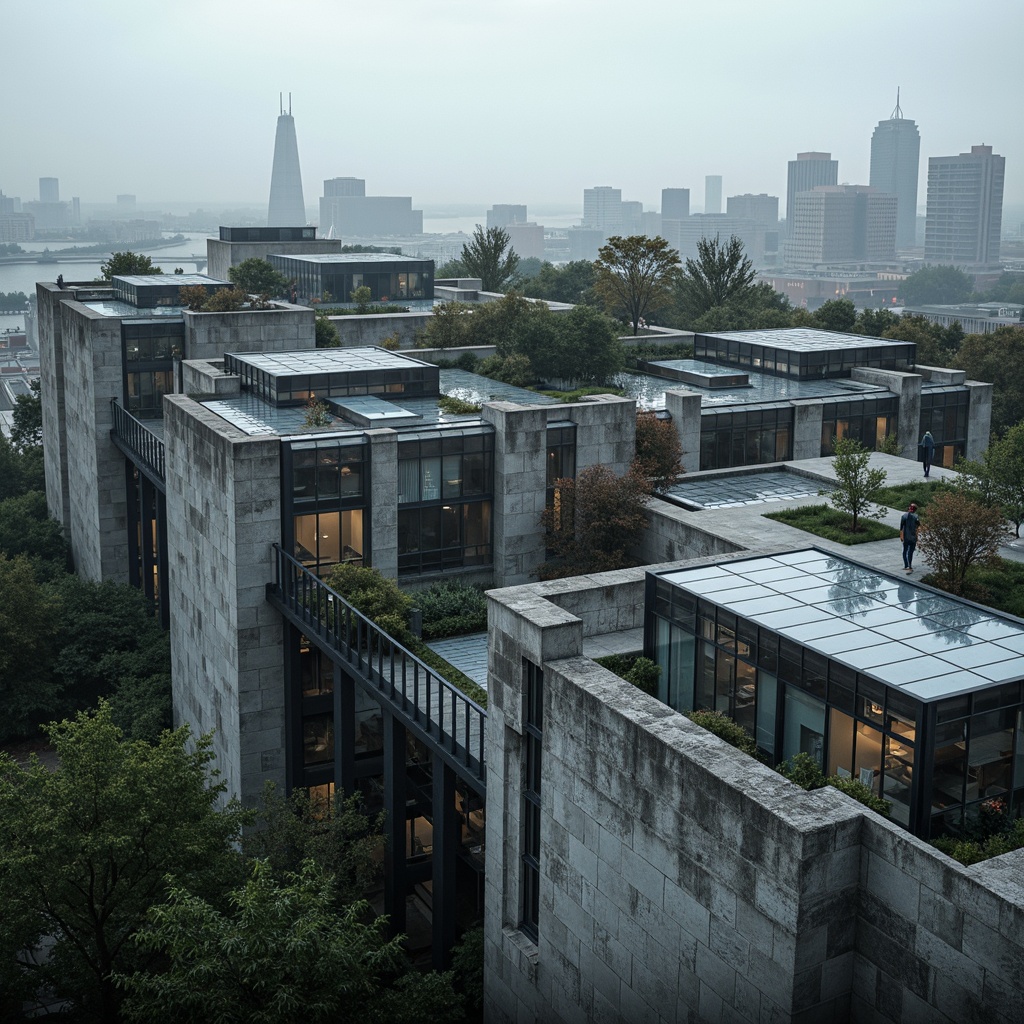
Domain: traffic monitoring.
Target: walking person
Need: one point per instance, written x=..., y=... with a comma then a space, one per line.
x=927, y=451
x=908, y=534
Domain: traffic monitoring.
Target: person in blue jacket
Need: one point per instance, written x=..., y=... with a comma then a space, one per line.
x=927, y=450
x=908, y=534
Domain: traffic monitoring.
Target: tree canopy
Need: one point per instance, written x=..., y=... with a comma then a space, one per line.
x=128, y=263
x=997, y=357
x=86, y=848
x=257, y=277
x=722, y=274
x=958, y=533
x=938, y=285
x=633, y=276
x=998, y=477
x=573, y=282
x=489, y=256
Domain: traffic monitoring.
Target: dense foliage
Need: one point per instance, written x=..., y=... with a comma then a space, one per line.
x=127, y=263
x=958, y=533
x=634, y=276
x=257, y=277
x=489, y=256
x=658, y=450
x=452, y=609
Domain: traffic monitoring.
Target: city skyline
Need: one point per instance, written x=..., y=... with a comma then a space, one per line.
x=558, y=118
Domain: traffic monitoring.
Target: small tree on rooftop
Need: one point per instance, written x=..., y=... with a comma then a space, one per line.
x=658, y=451
x=856, y=483
x=317, y=413
x=257, y=277
x=193, y=297
x=958, y=533
x=998, y=478
x=361, y=297
x=327, y=335
x=225, y=300
x=634, y=275
x=489, y=256
x=130, y=264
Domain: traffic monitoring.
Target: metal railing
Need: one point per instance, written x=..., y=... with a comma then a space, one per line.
x=136, y=440
x=437, y=709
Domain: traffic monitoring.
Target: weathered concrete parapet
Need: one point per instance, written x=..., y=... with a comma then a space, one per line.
x=979, y=418
x=204, y=377
x=227, y=641
x=682, y=880
x=684, y=408
x=807, y=421
x=942, y=374
x=283, y=328
x=907, y=388
x=605, y=431
x=384, y=500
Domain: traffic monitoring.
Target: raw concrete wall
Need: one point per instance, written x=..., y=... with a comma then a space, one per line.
x=684, y=881
x=227, y=641
x=979, y=418
x=807, y=420
x=907, y=388
x=97, y=502
x=51, y=380
x=358, y=331
x=684, y=408
x=674, y=533
x=221, y=256
x=284, y=328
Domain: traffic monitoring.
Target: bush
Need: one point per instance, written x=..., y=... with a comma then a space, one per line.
x=452, y=609
x=861, y=793
x=725, y=729
x=807, y=774
x=991, y=833
x=456, y=406
x=377, y=597
x=391, y=342
x=515, y=370
x=641, y=672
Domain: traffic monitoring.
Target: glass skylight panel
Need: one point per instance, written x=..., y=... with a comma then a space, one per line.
x=820, y=628
x=880, y=656
x=993, y=629
x=796, y=614
x=974, y=655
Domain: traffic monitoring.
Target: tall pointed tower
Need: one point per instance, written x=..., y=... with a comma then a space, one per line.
x=286, y=206
x=895, y=154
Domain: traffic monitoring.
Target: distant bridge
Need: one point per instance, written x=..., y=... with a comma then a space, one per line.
x=49, y=259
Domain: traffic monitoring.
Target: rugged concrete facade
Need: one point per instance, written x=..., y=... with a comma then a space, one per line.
x=281, y=329
x=683, y=881
x=222, y=255
x=907, y=388
x=227, y=642
x=605, y=435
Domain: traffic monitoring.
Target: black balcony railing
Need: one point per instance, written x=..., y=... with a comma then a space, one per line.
x=137, y=441
x=443, y=716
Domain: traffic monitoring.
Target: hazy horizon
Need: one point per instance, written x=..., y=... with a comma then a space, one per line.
x=467, y=105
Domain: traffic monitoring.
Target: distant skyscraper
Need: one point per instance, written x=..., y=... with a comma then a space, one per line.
x=895, y=154
x=965, y=208
x=49, y=190
x=762, y=209
x=287, y=208
x=675, y=204
x=602, y=208
x=841, y=224
x=808, y=171
x=713, y=193
x=502, y=215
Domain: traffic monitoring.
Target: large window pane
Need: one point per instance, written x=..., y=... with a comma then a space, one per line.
x=950, y=765
x=408, y=480
x=991, y=752
x=680, y=678
x=868, y=757
x=767, y=699
x=745, y=693
x=899, y=778
x=803, y=726
x=840, y=744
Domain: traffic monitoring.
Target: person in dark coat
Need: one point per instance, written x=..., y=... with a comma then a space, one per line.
x=927, y=450
x=908, y=534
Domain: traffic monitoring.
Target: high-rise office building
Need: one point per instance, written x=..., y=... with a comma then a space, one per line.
x=895, y=154
x=808, y=171
x=713, y=193
x=763, y=208
x=287, y=208
x=501, y=215
x=602, y=208
x=965, y=208
x=675, y=204
x=49, y=190
x=841, y=224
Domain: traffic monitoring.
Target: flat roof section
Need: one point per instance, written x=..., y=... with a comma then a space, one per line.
x=326, y=360
x=805, y=339
x=930, y=646
x=163, y=280
x=761, y=389
x=124, y=310
x=351, y=257
x=472, y=387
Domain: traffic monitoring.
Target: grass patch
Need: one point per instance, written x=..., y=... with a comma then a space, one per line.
x=456, y=406
x=830, y=523
x=575, y=396
x=899, y=496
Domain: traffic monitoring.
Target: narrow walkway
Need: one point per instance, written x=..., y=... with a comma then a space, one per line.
x=466, y=653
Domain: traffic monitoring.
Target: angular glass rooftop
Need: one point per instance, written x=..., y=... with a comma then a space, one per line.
x=928, y=645
x=741, y=489
x=807, y=339
x=352, y=257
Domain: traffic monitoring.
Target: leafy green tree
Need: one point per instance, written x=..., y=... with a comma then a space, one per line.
x=26, y=529
x=940, y=285
x=634, y=275
x=29, y=625
x=957, y=533
x=338, y=837
x=193, y=297
x=20, y=471
x=451, y=268
x=361, y=296
x=1009, y=288
x=257, y=277
x=122, y=264
x=658, y=451
x=489, y=256
x=836, y=315
x=721, y=275
x=86, y=848
x=448, y=326
x=380, y=599
x=856, y=482
x=997, y=357
x=999, y=475
x=875, y=322
x=27, y=423
x=225, y=300
x=327, y=335
x=280, y=953
x=15, y=301
x=936, y=346
x=573, y=283
x=758, y=307
x=587, y=347
x=502, y=323
x=529, y=268
x=596, y=519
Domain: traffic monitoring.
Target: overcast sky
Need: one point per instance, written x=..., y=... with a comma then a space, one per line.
x=484, y=101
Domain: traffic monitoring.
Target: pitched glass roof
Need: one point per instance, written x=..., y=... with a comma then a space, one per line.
x=930, y=646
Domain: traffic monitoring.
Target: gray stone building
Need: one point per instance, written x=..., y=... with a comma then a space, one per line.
x=639, y=868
